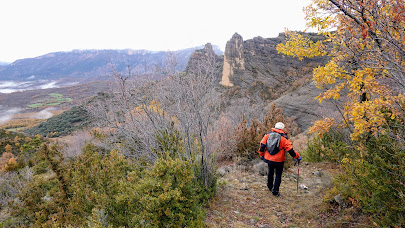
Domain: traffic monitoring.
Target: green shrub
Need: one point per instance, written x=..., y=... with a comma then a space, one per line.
x=169, y=141
x=314, y=151
x=166, y=196
x=35, y=206
x=94, y=182
x=109, y=189
x=375, y=180
x=70, y=190
x=373, y=174
x=333, y=146
x=63, y=124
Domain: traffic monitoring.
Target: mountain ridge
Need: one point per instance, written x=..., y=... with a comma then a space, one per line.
x=90, y=64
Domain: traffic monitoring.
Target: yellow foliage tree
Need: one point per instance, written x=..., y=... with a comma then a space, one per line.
x=365, y=40
x=321, y=126
x=8, y=148
x=10, y=165
x=6, y=159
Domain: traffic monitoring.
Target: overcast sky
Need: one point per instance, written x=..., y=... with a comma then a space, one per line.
x=31, y=28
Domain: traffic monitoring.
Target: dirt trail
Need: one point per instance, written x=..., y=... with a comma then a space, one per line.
x=243, y=199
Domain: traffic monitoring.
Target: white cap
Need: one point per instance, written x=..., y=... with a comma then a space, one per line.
x=279, y=125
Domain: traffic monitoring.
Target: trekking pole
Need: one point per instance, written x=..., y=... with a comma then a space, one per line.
x=298, y=174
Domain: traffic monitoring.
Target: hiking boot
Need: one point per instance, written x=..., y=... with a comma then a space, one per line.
x=277, y=194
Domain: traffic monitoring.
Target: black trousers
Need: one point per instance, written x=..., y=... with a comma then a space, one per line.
x=274, y=184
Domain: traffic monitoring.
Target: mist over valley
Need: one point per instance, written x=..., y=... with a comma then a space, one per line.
x=29, y=85
x=18, y=86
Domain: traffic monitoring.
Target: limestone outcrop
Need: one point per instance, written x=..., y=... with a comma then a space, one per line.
x=234, y=61
x=254, y=70
x=255, y=66
x=258, y=60
x=202, y=59
x=302, y=105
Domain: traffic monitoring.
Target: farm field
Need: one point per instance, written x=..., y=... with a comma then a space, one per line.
x=52, y=99
x=24, y=109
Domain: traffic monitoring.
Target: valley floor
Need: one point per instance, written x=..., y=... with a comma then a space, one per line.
x=243, y=200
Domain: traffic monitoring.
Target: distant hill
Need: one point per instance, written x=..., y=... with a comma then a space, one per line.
x=89, y=64
x=3, y=65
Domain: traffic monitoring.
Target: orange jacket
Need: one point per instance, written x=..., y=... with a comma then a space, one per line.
x=285, y=146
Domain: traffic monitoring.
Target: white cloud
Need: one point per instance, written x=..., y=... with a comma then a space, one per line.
x=43, y=114
x=14, y=86
x=6, y=115
x=38, y=27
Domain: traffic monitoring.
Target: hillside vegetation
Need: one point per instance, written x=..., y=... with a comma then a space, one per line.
x=45, y=102
x=66, y=123
x=145, y=166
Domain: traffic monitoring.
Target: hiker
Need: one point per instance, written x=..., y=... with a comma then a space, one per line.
x=276, y=161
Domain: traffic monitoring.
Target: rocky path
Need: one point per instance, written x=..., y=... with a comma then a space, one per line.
x=243, y=199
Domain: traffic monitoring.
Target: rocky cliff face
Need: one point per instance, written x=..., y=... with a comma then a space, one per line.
x=255, y=66
x=253, y=70
x=302, y=105
x=201, y=56
x=258, y=59
x=234, y=62
x=202, y=59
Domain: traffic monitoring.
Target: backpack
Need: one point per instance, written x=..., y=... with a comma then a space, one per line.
x=273, y=143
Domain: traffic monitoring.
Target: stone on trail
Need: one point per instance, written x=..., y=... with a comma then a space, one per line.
x=223, y=170
x=318, y=173
x=261, y=168
x=302, y=186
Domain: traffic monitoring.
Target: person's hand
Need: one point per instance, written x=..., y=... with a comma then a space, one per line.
x=299, y=158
